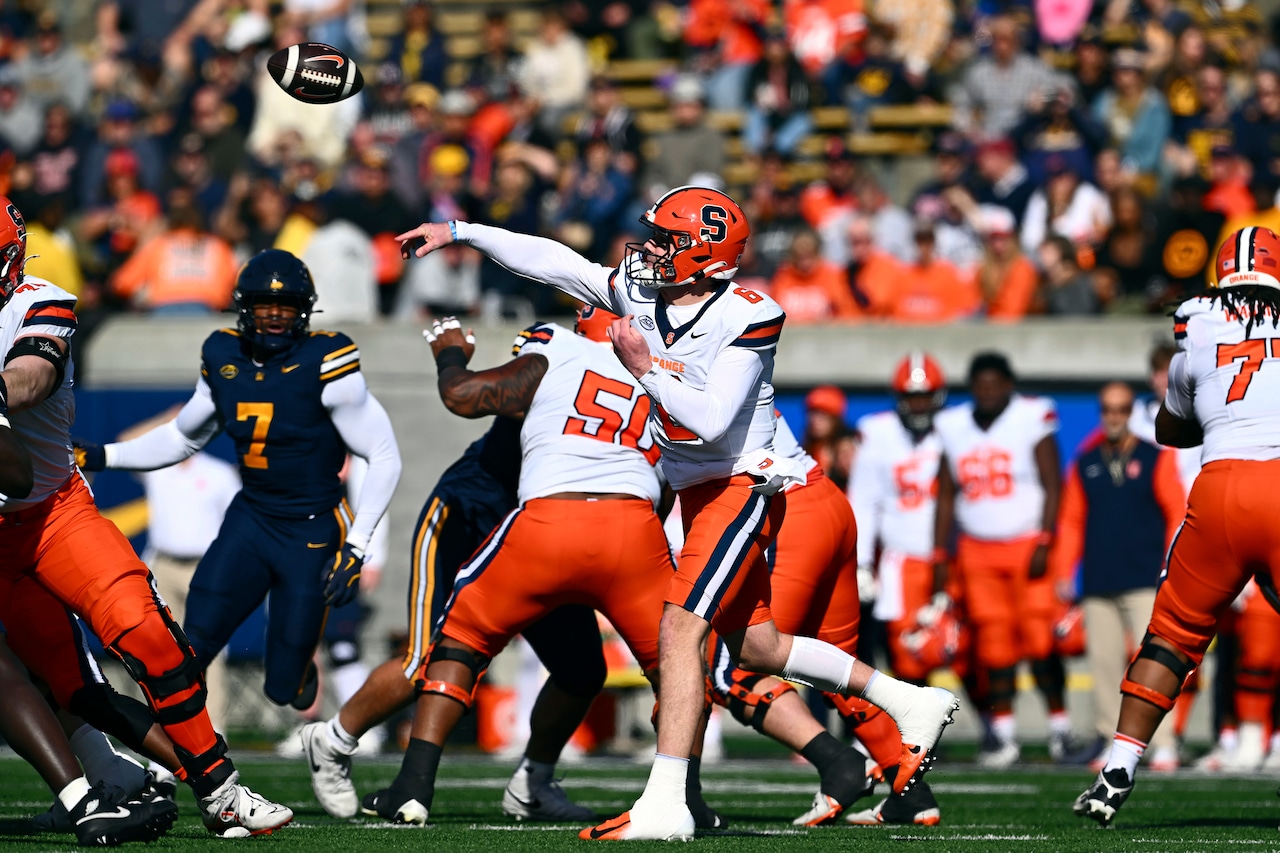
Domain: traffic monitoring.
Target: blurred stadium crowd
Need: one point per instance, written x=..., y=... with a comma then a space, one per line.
x=910, y=160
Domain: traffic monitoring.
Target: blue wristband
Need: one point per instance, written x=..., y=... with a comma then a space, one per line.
x=453, y=229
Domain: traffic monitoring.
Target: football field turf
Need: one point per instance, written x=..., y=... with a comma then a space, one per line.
x=1022, y=810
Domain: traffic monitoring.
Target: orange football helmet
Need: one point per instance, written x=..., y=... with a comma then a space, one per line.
x=13, y=248
x=703, y=233
x=919, y=375
x=1250, y=256
x=593, y=323
x=935, y=645
x=1068, y=633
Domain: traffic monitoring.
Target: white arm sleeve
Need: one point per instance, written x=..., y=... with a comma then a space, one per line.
x=168, y=444
x=377, y=551
x=866, y=493
x=707, y=412
x=1180, y=397
x=366, y=430
x=545, y=261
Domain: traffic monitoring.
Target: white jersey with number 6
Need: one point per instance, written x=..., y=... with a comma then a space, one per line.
x=587, y=428
x=1227, y=380
x=998, y=492
x=893, y=488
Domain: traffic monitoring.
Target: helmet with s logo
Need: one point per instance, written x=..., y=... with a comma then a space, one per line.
x=593, y=323
x=701, y=232
x=13, y=248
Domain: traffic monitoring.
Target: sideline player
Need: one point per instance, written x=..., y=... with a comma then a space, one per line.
x=28, y=725
x=814, y=586
x=704, y=353
x=470, y=499
x=294, y=402
x=998, y=483
x=56, y=537
x=1224, y=393
x=585, y=533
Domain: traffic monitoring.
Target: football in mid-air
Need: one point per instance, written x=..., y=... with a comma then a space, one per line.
x=315, y=73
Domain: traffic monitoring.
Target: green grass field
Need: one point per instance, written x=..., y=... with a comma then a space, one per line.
x=1023, y=810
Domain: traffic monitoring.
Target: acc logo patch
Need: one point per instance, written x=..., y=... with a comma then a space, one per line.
x=646, y=323
x=1185, y=254
x=228, y=371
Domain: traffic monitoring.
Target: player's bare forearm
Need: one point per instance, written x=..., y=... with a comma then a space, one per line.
x=1173, y=431
x=1050, y=469
x=944, y=507
x=16, y=475
x=29, y=380
x=506, y=390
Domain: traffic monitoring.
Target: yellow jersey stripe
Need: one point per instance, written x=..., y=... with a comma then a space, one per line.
x=339, y=352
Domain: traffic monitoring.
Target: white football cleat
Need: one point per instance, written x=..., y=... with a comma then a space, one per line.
x=1004, y=756
x=330, y=772
x=234, y=811
x=921, y=727
x=657, y=822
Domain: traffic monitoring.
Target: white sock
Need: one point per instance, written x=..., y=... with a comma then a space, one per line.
x=1060, y=723
x=818, y=664
x=667, y=778
x=347, y=680
x=342, y=740
x=1004, y=727
x=893, y=696
x=1126, y=752
x=73, y=793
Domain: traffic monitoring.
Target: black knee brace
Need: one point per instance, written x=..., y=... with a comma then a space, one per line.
x=165, y=685
x=475, y=662
x=740, y=698
x=1169, y=661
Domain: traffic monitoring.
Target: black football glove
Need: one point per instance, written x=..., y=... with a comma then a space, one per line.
x=89, y=456
x=343, y=583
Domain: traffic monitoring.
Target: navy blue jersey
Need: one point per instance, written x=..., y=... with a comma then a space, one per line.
x=289, y=451
x=487, y=474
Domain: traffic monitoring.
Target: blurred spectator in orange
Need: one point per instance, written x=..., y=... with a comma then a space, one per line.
x=833, y=196
x=774, y=214
x=1130, y=258
x=810, y=289
x=181, y=271
x=497, y=69
x=1257, y=124
x=419, y=48
x=1005, y=181
x=1067, y=288
x=871, y=275
x=827, y=436
x=53, y=72
x=1197, y=132
x=823, y=36
x=1065, y=205
x=555, y=66
x=1006, y=277
x=55, y=164
x=777, y=101
x=920, y=32
x=932, y=290
x=1266, y=199
x=409, y=156
x=1134, y=113
x=691, y=150
x=607, y=118
x=214, y=119
x=129, y=215
x=1229, y=176
x=728, y=32
x=993, y=95
x=20, y=117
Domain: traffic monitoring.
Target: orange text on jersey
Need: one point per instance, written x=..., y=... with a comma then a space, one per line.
x=668, y=364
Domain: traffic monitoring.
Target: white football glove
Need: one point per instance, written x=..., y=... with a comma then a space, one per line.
x=868, y=586
x=930, y=613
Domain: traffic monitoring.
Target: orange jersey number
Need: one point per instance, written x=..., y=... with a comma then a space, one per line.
x=985, y=473
x=611, y=428
x=911, y=492
x=1252, y=352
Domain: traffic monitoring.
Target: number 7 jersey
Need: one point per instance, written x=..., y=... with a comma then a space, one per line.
x=998, y=492
x=1227, y=380
x=587, y=428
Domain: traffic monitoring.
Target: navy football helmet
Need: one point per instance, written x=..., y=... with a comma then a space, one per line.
x=276, y=276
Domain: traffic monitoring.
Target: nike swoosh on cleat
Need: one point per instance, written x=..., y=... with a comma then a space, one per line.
x=119, y=812
x=598, y=832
